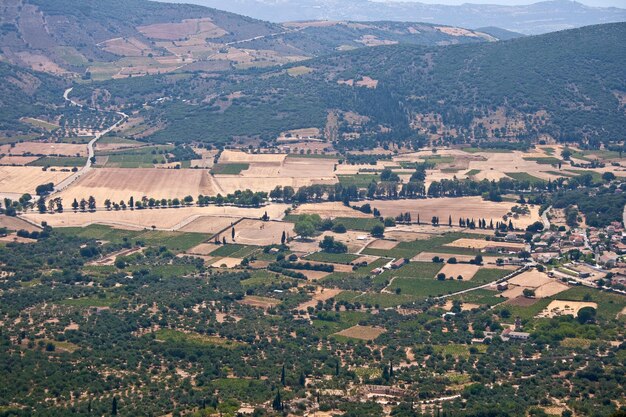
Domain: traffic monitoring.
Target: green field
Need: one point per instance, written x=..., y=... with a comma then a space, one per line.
x=40, y=123
x=472, y=172
x=175, y=241
x=486, y=275
x=229, y=169
x=145, y=157
x=234, y=250
x=543, y=160
x=436, y=244
x=336, y=258
x=59, y=161
x=524, y=176
x=196, y=339
x=353, y=223
x=358, y=180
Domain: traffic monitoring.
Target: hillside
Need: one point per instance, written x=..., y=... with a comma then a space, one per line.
x=26, y=93
x=116, y=39
x=568, y=85
x=541, y=17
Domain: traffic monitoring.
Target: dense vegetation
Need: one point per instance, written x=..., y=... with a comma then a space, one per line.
x=563, y=84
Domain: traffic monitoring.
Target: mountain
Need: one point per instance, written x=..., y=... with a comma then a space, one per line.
x=542, y=17
x=568, y=85
x=499, y=33
x=104, y=39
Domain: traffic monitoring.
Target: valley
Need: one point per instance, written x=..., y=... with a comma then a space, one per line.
x=204, y=214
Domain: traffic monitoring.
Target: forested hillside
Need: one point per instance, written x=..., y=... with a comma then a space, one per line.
x=569, y=85
x=26, y=93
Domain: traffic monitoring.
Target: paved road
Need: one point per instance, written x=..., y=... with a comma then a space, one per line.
x=90, y=147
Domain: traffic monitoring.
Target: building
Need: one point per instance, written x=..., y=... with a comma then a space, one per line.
x=398, y=263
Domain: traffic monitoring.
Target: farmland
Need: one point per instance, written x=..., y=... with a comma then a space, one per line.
x=420, y=220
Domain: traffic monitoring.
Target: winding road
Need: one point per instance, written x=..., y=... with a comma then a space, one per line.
x=90, y=146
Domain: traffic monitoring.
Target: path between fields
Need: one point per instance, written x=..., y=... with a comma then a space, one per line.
x=506, y=278
x=90, y=146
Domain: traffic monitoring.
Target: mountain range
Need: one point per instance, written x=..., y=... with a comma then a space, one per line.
x=541, y=17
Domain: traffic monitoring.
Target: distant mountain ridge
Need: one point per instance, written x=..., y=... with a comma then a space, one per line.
x=103, y=39
x=541, y=17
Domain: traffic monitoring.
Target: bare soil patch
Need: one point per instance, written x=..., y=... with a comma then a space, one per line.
x=20, y=180
x=562, y=308
x=121, y=183
x=383, y=244
x=226, y=263
x=260, y=233
x=45, y=148
x=330, y=210
x=362, y=332
x=482, y=244
x=465, y=207
x=467, y=271
x=18, y=160
x=15, y=223
x=212, y=217
x=260, y=302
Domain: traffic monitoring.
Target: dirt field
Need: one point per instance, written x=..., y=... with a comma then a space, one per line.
x=15, y=223
x=164, y=219
x=321, y=294
x=464, y=307
x=226, y=263
x=260, y=302
x=314, y=275
x=487, y=260
x=121, y=183
x=531, y=279
x=482, y=244
x=266, y=171
x=562, y=308
x=330, y=210
x=20, y=180
x=382, y=244
x=467, y=271
x=466, y=207
x=362, y=332
x=175, y=31
x=42, y=148
x=550, y=289
x=17, y=160
x=208, y=224
x=260, y=233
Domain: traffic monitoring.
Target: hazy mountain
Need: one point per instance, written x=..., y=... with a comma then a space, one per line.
x=120, y=38
x=542, y=17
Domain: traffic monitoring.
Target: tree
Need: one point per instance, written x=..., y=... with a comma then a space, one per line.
x=329, y=245
x=114, y=407
x=528, y=293
x=92, y=203
x=277, y=404
x=378, y=230
x=566, y=154
x=304, y=228
x=232, y=234
x=283, y=238
x=586, y=315
x=282, y=376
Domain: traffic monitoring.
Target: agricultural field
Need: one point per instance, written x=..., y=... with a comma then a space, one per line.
x=204, y=214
